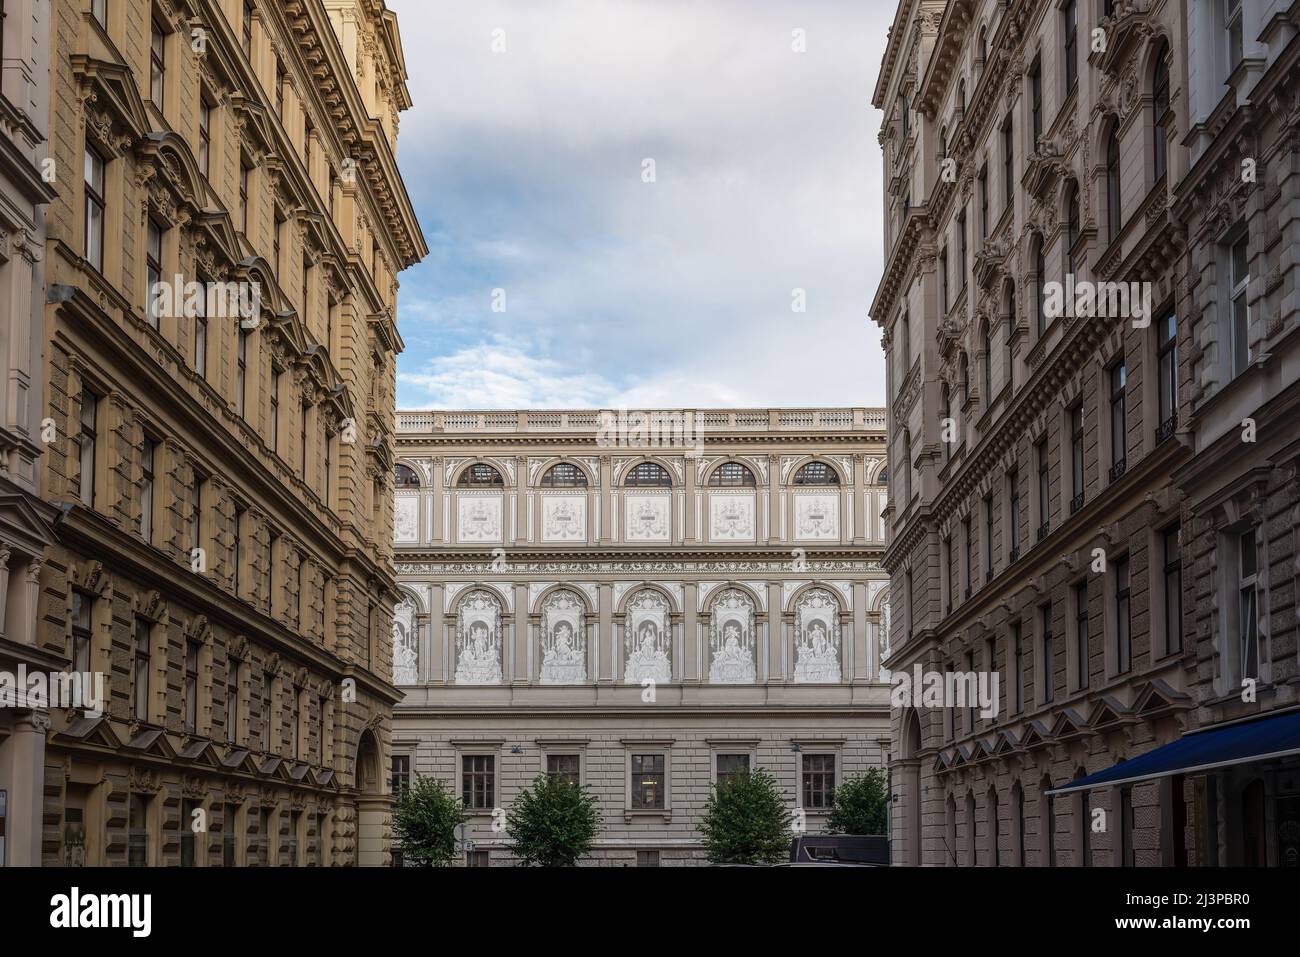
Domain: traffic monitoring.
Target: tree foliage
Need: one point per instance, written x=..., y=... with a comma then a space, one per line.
x=747, y=821
x=553, y=823
x=861, y=805
x=424, y=822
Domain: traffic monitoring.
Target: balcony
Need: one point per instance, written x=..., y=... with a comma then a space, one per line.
x=1014, y=555
x=1076, y=503
x=1167, y=428
x=1043, y=531
x=1117, y=470
x=593, y=420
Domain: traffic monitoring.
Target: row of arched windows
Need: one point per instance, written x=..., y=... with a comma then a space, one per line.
x=644, y=475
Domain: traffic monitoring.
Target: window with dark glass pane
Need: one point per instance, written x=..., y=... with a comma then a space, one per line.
x=731, y=766
x=648, y=781
x=478, y=780
x=818, y=781
x=564, y=767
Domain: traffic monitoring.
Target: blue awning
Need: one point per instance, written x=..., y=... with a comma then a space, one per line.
x=1262, y=739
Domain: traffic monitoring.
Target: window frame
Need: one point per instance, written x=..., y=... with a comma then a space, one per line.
x=827, y=800
x=95, y=179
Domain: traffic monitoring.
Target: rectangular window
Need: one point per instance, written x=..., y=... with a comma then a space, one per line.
x=191, y=687
x=268, y=716
x=275, y=409
x=818, y=784
x=157, y=62
x=94, y=226
x=966, y=556
x=647, y=858
x=1240, y=309
x=295, y=737
x=201, y=331
x=1233, y=28
x=478, y=781
x=566, y=767
x=1173, y=584
x=399, y=780
x=241, y=372
x=965, y=247
x=232, y=700
x=321, y=838
x=1118, y=420
x=279, y=89
x=1071, y=52
x=1123, y=619
x=649, y=780
x=147, y=455
x=1008, y=164
x=1036, y=102
x=264, y=838
x=1167, y=375
x=327, y=463
x=1044, y=490
x=988, y=538
x=81, y=634
x=1013, y=519
x=140, y=668
x=1081, y=636
x=137, y=848
x=205, y=136
x=1126, y=825
x=153, y=271
x=246, y=29
x=243, y=196
x=731, y=766
x=189, y=857
x=99, y=10
x=295, y=824
x=1049, y=655
x=1248, y=604
x=195, y=529
x=984, y=203
x=237, y=527
x=304, y=415
x=322, y=706
x=943, y=280
x=1076, y=457
x=478, y=859
x=229, y=846
x=1017, y=671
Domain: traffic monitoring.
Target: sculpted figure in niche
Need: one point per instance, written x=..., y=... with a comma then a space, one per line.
x=478, y=641
x=817, y=648
x=731, y=640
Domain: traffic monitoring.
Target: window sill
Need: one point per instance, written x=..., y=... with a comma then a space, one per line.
x=632, y=814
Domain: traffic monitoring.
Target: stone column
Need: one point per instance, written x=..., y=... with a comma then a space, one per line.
x=436, y=499
x=775, y=632
x=862, y=665
x=860, y=527
x=27, y=750
x=774, y=499
x=519, y=669
x=690, y=619
x=692, y=532
x=608, y=640
x=606, y=499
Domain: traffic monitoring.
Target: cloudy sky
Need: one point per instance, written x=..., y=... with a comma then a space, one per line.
x=528, y=171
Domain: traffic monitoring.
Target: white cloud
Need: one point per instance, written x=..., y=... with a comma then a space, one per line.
x=526, y=170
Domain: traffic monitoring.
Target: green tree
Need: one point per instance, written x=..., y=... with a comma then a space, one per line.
x=746, y=821
x=860, y=805
x=424, y=822
x=553, y=823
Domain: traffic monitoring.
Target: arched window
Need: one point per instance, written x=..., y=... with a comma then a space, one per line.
x=984, y=46
x=480, y=475
x=991, y=832
x=1047, y=824
x=951, y=811
x=732, y=474
x=649, y=474
x=970, y=829
x=961, y=94
x=816, y=473
x=1010, y=370
x=564, y=475
x=1113, y=213
x=1072, y=222
x=943, y=141
x=1160, y=109
x=404, y=477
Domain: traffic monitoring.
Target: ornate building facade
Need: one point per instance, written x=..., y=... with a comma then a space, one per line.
x=218, y=370
x=644, y=608
x=1096, y=502
x=25, y=521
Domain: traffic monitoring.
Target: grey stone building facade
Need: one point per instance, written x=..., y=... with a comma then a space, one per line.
x=643, y=608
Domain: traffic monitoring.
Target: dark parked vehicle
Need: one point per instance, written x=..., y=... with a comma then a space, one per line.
x=861, y=850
